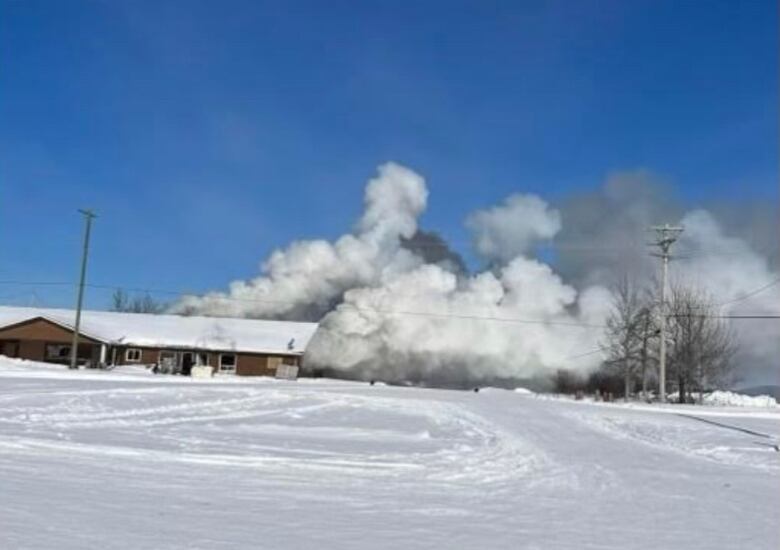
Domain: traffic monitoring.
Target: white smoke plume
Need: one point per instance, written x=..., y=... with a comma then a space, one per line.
x=731, y=271
x=427, y=326
x=605, y=234
x=391, y=311
x=512, y=228
x=307, y=279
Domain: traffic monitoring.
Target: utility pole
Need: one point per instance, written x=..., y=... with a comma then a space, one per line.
x=665, y=236
x=74, y=349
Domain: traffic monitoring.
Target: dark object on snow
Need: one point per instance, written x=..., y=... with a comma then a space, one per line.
x=372, y=382
x=476, y=390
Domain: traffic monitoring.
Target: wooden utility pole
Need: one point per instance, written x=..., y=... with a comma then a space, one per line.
x=74, y=349
x=665, y=237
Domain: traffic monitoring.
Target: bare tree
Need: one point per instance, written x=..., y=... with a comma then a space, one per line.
x=647, y=333
x=701, y=345
x=147, y=304
x=121, y=301
x=623, y=342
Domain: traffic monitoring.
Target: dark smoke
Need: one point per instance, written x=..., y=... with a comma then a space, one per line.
x=433, y=249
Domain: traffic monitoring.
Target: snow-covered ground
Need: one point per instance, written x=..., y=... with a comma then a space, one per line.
x=130, y=460
x=733, y=399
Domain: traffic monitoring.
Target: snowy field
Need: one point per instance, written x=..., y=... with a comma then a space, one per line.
x=114, y=460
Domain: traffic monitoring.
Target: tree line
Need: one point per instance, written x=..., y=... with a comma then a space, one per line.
x=700, y=346
x=123, y=302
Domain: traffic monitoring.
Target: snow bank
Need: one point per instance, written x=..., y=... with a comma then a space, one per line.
x=733, y=399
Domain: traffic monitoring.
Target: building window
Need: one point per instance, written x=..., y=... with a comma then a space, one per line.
x=56, y=352
x=133, y=355
x=227, y=362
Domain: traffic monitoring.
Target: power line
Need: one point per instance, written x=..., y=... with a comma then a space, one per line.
x=37, y=283
x=749, y=294
x=478, y=317
x=146, y=290
x=697, y=316
x=742, y=297
x=602, y=349
x=749, y=317
x=344, y=304
x=386, y=311
x=586, y=354
x=412, y=245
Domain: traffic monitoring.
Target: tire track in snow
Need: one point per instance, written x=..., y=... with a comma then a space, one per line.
x=272, y=429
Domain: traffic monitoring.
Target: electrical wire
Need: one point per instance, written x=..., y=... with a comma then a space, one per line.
x=348, y=305
x=586, y=354
x=750, y=294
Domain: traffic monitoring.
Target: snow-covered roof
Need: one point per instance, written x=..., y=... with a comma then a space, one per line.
x=176, y=331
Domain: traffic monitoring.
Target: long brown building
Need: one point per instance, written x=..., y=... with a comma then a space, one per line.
x=172, y=343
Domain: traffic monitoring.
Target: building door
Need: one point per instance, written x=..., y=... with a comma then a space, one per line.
x=187, y=360
x=168, y=362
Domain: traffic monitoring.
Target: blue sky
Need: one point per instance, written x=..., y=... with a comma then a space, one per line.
x=207, y=133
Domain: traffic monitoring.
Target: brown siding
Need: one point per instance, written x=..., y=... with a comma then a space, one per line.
x=35, y=350
x=149, y=356
x=33, y=335
x=32, y=350
x=9, y=348
x=248, y=364
x=261, y=365
x=40, y=329
x=252, y=365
